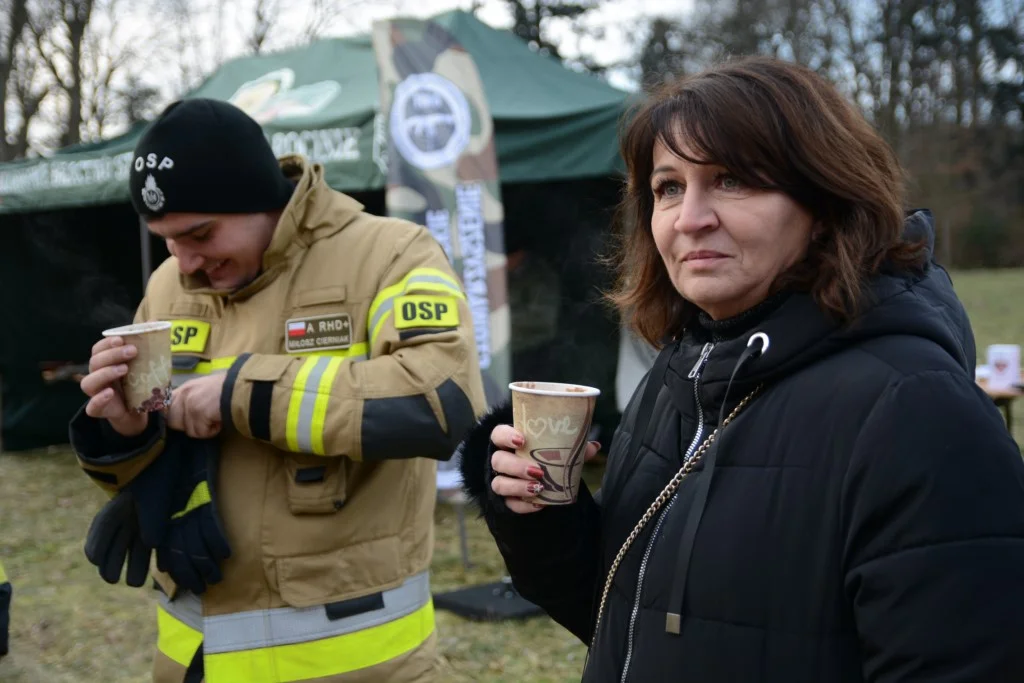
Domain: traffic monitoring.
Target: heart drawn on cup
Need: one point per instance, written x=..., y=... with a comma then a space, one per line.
x=537, y=426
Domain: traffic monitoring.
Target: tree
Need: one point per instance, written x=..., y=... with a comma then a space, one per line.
x=58, y=27
x=15, y=20
x=138, y=101
x=26, y=92
x=662, y=57
x=266, y=13
x=532, y=17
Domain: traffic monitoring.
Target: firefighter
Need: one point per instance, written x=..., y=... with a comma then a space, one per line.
x=329, y=355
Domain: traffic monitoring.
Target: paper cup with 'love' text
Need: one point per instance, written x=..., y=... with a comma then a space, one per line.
x=147, y=386
x=554, y=419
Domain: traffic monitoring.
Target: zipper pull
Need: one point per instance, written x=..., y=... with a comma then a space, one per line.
x=704, y=353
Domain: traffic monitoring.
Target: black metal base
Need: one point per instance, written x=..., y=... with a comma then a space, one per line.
x=487, y=602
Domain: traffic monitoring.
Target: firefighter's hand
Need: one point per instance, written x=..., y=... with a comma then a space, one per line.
x=195, y=407
x=107, y=367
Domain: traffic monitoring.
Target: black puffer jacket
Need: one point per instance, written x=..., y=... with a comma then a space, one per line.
x=861, y=520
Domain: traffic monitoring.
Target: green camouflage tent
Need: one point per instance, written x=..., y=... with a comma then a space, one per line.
x=69, y=237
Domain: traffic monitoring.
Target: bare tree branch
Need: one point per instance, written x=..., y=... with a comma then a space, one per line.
x=265, y=15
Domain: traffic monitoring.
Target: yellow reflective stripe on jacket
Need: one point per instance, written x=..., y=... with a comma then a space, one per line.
x=326, y=657
x=307, y=407
x=215, y=365
x=200, y=496
x=418, y=279
x=175, y=638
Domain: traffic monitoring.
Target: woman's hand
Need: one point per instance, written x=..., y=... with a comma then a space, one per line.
x=516, y=479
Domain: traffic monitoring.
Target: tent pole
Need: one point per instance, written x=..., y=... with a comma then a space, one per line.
x=147, y=255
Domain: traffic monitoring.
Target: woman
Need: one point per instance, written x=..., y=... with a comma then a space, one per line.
x=808, y=486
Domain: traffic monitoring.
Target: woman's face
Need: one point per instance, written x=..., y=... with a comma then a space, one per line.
x=722, y=243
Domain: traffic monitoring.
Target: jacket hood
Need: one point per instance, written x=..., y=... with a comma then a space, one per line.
x=799, y=333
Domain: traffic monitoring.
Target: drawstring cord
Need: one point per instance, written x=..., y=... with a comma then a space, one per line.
x=757, y=345
x=750, y=353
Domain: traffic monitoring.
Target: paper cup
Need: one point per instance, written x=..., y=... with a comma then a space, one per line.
x=1003, y=361
x=554, y=419
x=147, y=386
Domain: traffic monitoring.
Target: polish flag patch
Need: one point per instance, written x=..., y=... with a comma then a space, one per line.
x=297, y=329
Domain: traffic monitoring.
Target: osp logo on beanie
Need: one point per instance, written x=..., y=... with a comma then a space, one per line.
x=152, y=195
x=205, y=156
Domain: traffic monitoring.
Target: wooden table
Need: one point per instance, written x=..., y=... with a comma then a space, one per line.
x=1003, y=398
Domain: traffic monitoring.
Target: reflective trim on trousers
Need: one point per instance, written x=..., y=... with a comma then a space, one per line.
x=285, y=644
x=177, y=639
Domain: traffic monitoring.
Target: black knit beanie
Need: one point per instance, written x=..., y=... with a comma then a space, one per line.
x=205, y=156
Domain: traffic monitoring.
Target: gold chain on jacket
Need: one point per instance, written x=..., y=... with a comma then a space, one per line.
x=662, y=498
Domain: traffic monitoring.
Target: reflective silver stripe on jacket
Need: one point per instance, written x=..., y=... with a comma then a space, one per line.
x=286, y=625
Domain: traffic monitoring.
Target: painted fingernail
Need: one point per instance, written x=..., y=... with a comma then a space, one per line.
x=537, y=507
x=535, y=488
x=535, y=472
x=518, y=441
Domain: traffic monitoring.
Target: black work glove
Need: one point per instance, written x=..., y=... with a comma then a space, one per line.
x=134, y=522
x=5, y=610
x=195, y=544
x=114, y=538
x=153, y=492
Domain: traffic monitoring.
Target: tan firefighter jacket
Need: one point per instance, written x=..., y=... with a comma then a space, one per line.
x=350, y=365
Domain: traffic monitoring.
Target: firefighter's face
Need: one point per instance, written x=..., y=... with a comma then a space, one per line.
x=225, y=249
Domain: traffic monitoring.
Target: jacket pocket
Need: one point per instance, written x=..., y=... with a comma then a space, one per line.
x=321, y=296
x=316, y=485
x=352, y=572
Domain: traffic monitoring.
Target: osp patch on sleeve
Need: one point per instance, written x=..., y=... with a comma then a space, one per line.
x=415, y=311
x=189, y=336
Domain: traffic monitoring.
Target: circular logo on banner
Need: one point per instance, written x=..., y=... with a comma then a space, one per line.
x=430, y=120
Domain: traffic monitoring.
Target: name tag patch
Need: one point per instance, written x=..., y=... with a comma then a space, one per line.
x=420, y=310
x=189, y=336
x=318, y=333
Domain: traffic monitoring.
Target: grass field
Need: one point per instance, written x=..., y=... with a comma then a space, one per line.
x=70, y=627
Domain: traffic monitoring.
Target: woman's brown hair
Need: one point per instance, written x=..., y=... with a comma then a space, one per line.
x=776, y=126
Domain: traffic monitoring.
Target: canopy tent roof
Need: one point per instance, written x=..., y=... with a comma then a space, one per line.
x=322, y=100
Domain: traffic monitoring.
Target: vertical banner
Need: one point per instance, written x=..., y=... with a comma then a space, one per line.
x=443, y=171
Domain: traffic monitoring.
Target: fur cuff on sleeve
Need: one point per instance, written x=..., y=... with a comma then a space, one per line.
x=474, y=455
